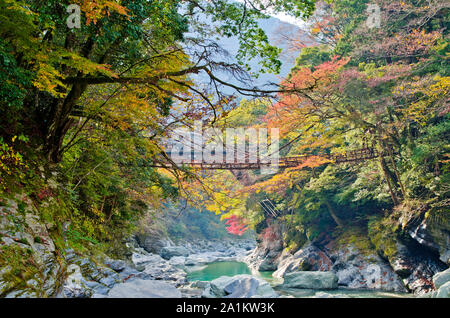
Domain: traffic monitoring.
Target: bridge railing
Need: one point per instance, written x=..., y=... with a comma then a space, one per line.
x=284, y=162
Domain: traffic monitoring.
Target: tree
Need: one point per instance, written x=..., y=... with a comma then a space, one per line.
x=128, y=44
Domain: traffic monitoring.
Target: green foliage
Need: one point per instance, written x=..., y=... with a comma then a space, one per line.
x=18, y=267
x=389, y=95
x=355, y=237
x=382, y=234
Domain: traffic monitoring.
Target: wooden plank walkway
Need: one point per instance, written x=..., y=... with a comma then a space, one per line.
x=286, y=162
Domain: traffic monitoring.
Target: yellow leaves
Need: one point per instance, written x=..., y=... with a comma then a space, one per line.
x=279, y=183
x=218, y=192
x=84, y=65
x=428, y=96
x=10, y=159
x=49, y=79
x=94, y=10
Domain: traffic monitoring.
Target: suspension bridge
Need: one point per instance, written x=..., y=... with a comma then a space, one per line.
x=238, y=168
x=357, y=155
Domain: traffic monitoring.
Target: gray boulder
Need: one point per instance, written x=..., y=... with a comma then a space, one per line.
x=444, y=291
x=239, y=286
x=309, y=258
x=358, y=270
x=311, y=280
x=116, y=265
x=441, y=278
x=170, y=251
x=244, y=287
x=140, y=288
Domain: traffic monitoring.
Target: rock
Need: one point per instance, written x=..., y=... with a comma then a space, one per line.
x=140, y=288
x=327, y=295
x=75, y=285
x=239, y=286
x=98, y=288
x=155, y=267
x=116, y=265
x=308, y=258
x=435, y=236
x=170, y=251
x=152, y=240
x=207, y=293
x=144, y=259
x=218, y=285
x=178, y=261
x=445, y=257
x=416, y=266
x=199, y=284
x=358, y=270
x=24, y=231
x=130, y=273
x=244, y=287
x=311, y=280
x=441, y=278
x=265, y=256
x=264, y=290
x=444, y=291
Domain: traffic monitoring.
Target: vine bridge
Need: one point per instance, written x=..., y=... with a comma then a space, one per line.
x=357, y=155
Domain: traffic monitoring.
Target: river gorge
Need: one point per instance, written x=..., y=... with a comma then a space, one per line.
x=216, y=269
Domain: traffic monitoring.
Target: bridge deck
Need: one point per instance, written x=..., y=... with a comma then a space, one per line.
x=286, y=162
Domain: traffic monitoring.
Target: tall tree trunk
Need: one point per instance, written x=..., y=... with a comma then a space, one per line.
x=59, y=118
x=333, y=213
x=60, y=122
x=387, y=176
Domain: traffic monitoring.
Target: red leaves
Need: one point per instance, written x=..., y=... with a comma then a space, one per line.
x=269, y=234
x=45, y=193
x=237, y=225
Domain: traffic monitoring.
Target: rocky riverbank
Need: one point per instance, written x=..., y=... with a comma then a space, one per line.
x=408, y=267
x=158, y=267
x=149, y=274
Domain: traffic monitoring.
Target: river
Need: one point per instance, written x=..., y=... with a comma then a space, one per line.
x=231, y=268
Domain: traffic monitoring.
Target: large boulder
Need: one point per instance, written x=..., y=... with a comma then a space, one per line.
x=311, y=280
x=155, y=267
x=140, y=288
x=444, y=291
x=239, y=286
x=308, y=258
x=367, y=270
x=170, y=251
x=441, y=278
x=266, y=256
x=433, y=235
x=441, y=283
x=416, y=266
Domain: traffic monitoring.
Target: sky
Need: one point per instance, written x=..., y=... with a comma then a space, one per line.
x=285, y=18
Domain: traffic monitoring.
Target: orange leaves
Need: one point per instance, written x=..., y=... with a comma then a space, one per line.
x=427, y=97
x=306, y=79
x=94, y=10
x=278, y=184
x=417, y=41
x=312, y=162
x=295, y=108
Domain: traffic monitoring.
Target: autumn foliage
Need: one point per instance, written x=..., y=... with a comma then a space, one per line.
x=236, y=225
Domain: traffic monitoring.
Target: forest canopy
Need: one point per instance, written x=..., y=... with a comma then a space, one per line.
x=92, y=106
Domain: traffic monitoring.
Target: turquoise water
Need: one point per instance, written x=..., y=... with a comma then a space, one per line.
x=215, y=270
